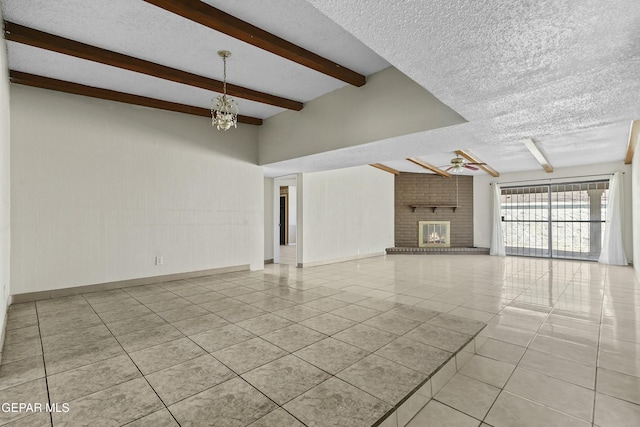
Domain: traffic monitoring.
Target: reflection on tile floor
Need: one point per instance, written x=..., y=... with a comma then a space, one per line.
x=338, y=345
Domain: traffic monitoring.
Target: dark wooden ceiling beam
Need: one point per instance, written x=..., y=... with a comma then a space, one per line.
x=209, y=16
x=40, y=39
x=112, y=95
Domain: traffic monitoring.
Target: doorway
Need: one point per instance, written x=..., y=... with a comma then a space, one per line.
x=285, y=234
x=284, y=217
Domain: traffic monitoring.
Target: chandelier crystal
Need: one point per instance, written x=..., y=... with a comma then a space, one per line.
x=224, y=110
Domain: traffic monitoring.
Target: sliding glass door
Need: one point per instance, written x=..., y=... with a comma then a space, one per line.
x=555, y=220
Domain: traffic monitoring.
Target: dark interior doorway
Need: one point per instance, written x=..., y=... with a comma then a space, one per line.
x=283, y=220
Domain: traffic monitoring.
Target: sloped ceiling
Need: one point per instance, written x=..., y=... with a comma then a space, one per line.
x=564, y=73
x=142, y=30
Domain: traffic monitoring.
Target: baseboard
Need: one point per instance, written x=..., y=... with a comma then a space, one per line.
x=336, y=260
x=5, y=313
x=64, y=292
x=268, y=261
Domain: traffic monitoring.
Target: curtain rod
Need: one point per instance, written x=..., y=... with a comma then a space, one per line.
x=550, y=179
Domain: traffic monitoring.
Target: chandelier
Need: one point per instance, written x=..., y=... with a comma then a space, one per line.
x=224, y=110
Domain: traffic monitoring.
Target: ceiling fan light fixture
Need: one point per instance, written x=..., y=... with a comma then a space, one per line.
x=457, y=163
x=224, y=110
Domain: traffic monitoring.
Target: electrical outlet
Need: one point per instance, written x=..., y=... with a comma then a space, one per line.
x=159, y=260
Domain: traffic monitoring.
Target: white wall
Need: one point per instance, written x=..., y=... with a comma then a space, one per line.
x=345, y=213
x=100, y=188
x=268, y=219
x=352, y=116
x=482, y=195
x=5, y=186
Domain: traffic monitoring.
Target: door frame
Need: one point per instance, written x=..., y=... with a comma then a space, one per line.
x=286, y=181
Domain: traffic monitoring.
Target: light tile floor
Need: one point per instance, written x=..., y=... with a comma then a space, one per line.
x=562, y=345
x=288, y=255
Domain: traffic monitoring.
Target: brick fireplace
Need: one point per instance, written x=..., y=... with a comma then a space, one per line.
x=425, y=197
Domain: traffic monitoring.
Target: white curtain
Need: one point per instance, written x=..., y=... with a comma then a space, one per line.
x=613, y=246
x=497, y=236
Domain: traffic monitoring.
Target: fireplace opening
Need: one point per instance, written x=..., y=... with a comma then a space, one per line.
x=434, y=234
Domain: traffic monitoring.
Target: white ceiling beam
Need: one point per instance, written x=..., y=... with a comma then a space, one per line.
x=540, y=157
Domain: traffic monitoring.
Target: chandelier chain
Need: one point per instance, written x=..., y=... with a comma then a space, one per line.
x=224, y=75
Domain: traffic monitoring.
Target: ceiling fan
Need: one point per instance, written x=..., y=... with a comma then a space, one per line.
x=458, y=163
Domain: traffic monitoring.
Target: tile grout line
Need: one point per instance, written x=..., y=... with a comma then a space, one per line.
x=44, y=362
x=290, y=353
x=134, y=364
x=186, y=336
x=595, y=380
x=274, y=402
x=502, y=389
x=597, y=348
x=455, y=409
x=535, y=334
x=237, y=375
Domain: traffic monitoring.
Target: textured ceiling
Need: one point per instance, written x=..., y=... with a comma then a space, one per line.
x=511, y=59
x=142, y=30
x=583, y=147
x=563, y=72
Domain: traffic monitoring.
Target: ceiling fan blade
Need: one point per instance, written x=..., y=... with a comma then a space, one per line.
x=473, y=168
x=448, y=169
